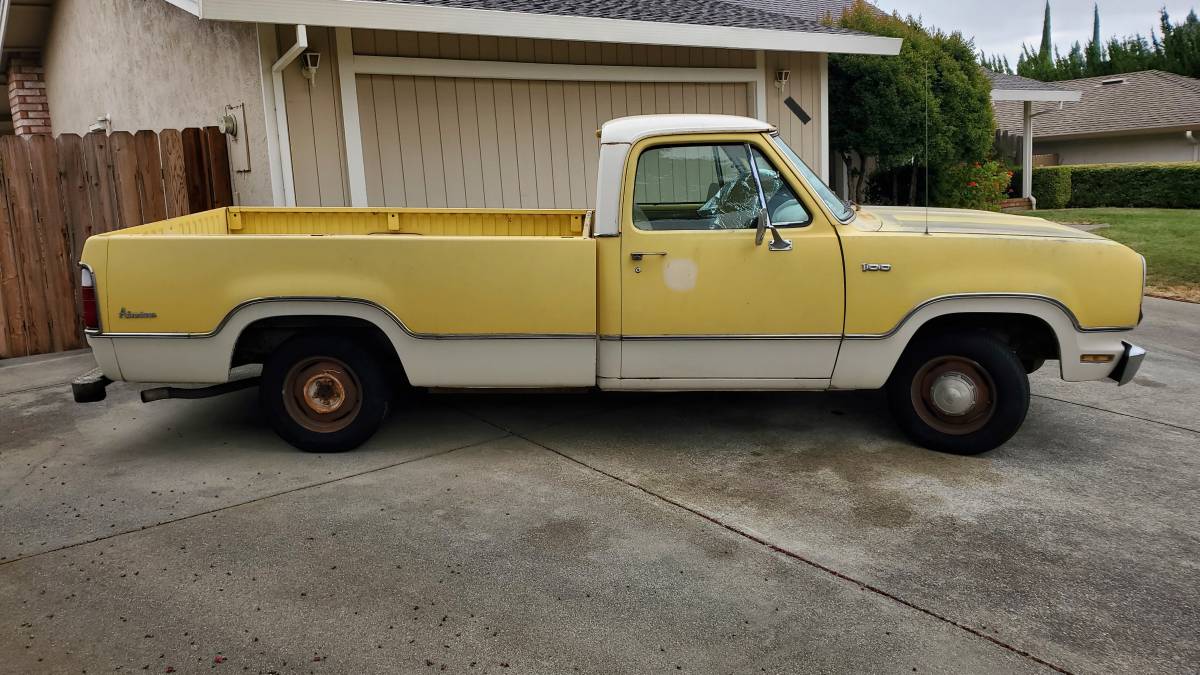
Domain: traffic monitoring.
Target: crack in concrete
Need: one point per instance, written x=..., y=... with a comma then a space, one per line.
x=788, y=553
x=1117, y=412
x=227, y=507
x=37, y=388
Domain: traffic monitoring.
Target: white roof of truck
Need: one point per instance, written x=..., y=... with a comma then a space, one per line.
x=635, y=128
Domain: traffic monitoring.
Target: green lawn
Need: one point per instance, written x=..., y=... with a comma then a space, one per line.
x=1169, y=238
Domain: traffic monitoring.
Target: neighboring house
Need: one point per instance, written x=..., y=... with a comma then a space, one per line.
x=459, y=103
x=1148, y=116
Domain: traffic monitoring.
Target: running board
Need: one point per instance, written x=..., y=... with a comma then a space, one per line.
x=163, y=393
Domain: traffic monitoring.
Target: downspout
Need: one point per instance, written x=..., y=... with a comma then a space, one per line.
x=1191, y=136
x=285, y=146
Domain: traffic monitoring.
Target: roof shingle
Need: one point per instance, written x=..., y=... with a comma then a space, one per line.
x=1131, y=102
x=802, y=16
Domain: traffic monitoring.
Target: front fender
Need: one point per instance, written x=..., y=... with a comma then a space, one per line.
x=867, y=360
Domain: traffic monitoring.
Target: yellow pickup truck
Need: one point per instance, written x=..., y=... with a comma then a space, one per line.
x=715, y=260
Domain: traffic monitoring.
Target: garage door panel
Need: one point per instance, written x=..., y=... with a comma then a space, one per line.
x=434, y=142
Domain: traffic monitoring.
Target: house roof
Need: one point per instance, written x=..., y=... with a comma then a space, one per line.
x=813, y=10
x=730, y=13
x=1131, y=103
x=1007, y=87
x=787, y=25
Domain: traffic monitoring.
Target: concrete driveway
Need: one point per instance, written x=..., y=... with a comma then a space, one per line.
x=597, y=533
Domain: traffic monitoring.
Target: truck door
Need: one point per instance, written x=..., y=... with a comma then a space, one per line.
x=700, y=300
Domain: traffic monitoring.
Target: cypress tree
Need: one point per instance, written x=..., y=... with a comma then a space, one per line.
x=1046, y=51
x=1095, y=50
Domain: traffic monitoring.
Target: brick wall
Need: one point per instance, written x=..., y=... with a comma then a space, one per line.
x=27, y=95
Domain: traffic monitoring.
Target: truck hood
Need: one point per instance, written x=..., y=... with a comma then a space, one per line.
x=961, y=221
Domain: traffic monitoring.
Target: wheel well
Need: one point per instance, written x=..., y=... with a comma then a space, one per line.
x=1029, y=336
x=259, y=339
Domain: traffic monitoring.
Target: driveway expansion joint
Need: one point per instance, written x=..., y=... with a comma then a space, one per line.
x=1117, y=412
x=776, y=548
x=227, y=507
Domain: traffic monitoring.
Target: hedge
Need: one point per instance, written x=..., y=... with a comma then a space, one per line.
x=1052, y=187
x=1167, y=186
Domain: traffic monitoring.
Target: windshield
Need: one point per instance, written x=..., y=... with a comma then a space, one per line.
x=840, y=209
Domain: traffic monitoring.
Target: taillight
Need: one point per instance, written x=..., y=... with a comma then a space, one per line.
x=91, y=308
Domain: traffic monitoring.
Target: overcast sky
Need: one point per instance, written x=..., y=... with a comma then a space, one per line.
x=1001, y=27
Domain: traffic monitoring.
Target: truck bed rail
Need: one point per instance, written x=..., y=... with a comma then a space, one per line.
x=343, y=221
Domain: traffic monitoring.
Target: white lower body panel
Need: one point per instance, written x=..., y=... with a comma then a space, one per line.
x=736, y=359
x=502, y=362
x=712, y=384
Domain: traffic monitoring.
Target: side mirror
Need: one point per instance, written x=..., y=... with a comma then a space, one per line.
x=761, y=231
x=778, y=243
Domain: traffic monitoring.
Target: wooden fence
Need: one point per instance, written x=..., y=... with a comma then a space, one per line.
x=59, y=191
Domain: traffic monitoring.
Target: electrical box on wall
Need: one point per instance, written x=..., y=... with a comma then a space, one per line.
x=233, y=125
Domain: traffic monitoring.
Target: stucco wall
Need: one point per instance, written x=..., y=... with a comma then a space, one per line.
x=153, y=66
x=1123, y=149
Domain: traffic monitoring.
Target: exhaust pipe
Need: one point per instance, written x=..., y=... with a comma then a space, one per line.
x=163, y=393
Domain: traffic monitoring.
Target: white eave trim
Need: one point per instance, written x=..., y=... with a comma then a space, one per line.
x=189, y=6
x=1036, y=95
x=440, y=19
x=512, y=70
x=4, y=7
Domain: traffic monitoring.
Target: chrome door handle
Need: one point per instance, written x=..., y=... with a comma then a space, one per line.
x=638, y=255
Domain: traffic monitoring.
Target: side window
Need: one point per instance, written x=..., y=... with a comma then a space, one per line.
x=783, y=205
x=709, y=187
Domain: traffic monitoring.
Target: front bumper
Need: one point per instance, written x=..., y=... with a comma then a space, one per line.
x=1128, y=365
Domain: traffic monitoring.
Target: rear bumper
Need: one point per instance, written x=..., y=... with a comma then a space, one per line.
x=1128, y=365
x=90, y=387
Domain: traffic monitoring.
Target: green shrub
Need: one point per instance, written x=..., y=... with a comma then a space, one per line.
x=982, y=185
x=1052, y=186
x=1168, y=186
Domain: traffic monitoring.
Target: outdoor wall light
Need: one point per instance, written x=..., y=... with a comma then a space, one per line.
x=781, y=78
x=311, y=62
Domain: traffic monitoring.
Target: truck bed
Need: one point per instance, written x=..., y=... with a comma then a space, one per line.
x=441, y=273
x=344, y=221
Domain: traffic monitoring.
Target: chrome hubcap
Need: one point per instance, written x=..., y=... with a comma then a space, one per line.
x=954, y=394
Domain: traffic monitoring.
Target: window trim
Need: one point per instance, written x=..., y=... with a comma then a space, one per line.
x=750, y=147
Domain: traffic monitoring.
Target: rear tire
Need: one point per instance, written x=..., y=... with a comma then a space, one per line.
x=324, y=393
x=962, y=393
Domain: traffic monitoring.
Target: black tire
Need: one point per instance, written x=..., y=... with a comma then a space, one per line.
x=961, y=393
x=325, y=393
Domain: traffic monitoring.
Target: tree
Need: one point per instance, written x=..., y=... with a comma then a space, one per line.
x=1180, y=47
x=1095, y=47
x=880, y=107
x=1047, y=43
x=1178, y=52
x=996, y=63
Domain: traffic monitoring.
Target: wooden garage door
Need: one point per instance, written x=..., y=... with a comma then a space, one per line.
x=434, y=142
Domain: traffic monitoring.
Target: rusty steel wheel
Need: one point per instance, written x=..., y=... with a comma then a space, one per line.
x=964, y=393
x=953, y=395
x=322, y=394
x=325, y=393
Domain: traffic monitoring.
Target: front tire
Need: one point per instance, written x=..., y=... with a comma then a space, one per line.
x=963, y=393
x=324, y=393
